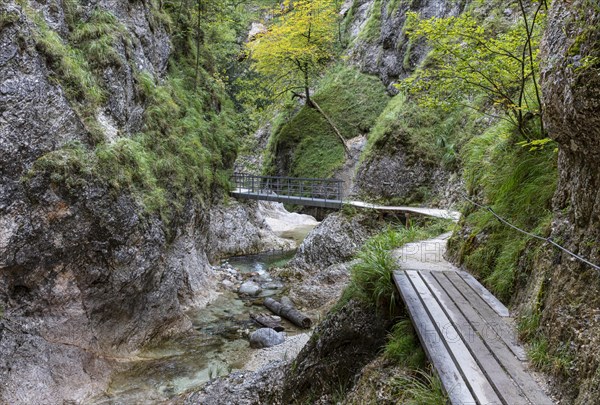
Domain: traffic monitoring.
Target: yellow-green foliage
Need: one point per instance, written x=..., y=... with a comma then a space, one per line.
x=351, y=99
x=470, y=58
x=298, y=44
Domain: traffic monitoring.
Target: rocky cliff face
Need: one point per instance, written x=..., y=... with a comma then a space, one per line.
x=241, y=229
x=82, y=278
x=571, y=88
x=88, y=273
x=321, y=267
x=379, y=44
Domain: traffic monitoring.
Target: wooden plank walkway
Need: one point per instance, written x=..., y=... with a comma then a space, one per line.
x=464, y=330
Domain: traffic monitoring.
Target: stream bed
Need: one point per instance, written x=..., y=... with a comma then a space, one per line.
x=214, y=347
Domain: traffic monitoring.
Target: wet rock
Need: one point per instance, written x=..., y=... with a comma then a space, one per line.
x=335, y=240
x=250, y=288
x=242, y=388
x=229, y=285
x=266, y=337
x=240, y=229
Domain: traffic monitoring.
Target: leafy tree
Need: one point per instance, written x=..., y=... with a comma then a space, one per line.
x=468, y=60
x=296, y=48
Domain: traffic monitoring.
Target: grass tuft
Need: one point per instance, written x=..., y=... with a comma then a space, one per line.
x=403, y=346
x=421, y=389
x=99, y=38
x=371, y=276
x=518, y=184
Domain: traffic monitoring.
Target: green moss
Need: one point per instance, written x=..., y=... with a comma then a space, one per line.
x=188, y=137
x=372, y=28
x=519, y=184
x=425, y=134
x=351, y=99
x=317, y=156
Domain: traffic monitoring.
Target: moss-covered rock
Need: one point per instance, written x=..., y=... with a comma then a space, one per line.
x=305, y=145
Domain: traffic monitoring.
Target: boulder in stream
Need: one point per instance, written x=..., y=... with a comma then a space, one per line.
x=250, y=288
x=266, y=337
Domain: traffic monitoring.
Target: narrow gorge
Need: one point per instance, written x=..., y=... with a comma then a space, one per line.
x=130, y=274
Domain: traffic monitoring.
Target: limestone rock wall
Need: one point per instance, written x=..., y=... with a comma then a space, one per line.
x=571, y=290
x=87, y=274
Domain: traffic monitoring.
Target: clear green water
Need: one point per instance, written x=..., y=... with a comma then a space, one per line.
x=214, y=347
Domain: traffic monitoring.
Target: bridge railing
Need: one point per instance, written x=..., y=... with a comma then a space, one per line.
x=325, y=189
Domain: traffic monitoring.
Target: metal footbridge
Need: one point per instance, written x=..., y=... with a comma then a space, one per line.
x=324, y=193
x=314, y=192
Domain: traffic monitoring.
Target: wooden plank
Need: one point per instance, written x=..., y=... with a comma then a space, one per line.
x=506, y=358
x=452, y=380
x=472, y=373
x=507, y=389
x=493, y=320
x=487, y=296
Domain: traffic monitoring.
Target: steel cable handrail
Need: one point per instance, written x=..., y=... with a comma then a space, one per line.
x=532, y=235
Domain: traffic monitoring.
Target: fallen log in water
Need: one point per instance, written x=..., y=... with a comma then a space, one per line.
x=288, y=312
x=268, y=321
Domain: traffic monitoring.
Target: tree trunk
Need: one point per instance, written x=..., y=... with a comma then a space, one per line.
x=288, y=312
x=268, y=322
x=331, y=123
